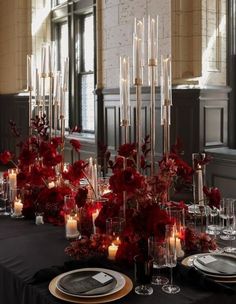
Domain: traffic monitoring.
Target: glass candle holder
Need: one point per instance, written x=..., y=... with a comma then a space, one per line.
x=114, y=227
x=71, y=227
x=17, y=202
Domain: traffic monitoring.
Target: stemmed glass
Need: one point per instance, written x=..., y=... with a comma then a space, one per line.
x=213, y=227
x=143, y=266
x=228, y=222
x=157, y=249
x=171, y=258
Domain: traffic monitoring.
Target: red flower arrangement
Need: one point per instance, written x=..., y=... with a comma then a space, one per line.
x=40, y=165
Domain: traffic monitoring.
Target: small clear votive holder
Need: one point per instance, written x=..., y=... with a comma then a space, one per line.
x=17, y=203
x=115, y=227
x=71, y=227
x=39, y=220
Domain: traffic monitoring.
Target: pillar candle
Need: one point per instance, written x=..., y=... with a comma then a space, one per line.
x=12, y=176
x=71, y=228
x=112, y=250
x=18, y=206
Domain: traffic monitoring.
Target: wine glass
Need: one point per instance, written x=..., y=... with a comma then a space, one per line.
x=227, y=213
x=171, y=258
x=157, y=249
x=143, y=266
x=213, y=227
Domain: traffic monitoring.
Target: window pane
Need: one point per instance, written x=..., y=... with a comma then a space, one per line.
x=87, y=102
x=88, y=43
x=63, y=53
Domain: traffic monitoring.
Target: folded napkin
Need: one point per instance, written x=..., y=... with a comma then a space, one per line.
x=198, y=279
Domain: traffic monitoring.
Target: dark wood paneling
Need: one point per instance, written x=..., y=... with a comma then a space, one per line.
x=111, y=127
x=214, y=126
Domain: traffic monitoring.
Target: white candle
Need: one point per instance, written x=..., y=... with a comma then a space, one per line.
x=71, y=228
x=37, y=89
x=12, y=176
x=175, y=242
x=43, y=60
x=18, y=206
x=29, y=72
x=39, y=220
x=166, y=80
x=200, y=187
x=66, y=75
x=124, y=89
x=95, y=180
x=94, y=216
x=112, y=250
x=152, y=38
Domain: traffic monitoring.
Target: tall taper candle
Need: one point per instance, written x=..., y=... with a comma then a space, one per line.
x=43, y=60
x=152, y=40
x=66, y=75
x=124, y=96
x=30, y=72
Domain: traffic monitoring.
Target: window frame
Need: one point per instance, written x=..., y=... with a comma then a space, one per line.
x=70, y=12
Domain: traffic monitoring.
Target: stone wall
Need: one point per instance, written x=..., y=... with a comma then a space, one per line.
x=199, y=42
x=15, y=43
x=118, y=19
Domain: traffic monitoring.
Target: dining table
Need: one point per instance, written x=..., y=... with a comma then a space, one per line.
x=31, y=255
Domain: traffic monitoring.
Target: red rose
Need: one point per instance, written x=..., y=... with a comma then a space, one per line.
x=75, y=144
x=5, y=157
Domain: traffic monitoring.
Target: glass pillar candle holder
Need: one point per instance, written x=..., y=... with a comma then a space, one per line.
x=114, y=227
x=71, y=227
x=17, y=203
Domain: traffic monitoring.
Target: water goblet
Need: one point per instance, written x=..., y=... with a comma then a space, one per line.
x=171, y=258
x=157, y=249
x=227, y=211
x=143, y=267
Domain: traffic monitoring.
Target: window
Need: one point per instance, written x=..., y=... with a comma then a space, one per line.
x=85, y=63
x=73, y=32
x=62, y=53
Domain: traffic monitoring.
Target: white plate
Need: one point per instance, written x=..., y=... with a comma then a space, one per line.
x=223, y=265
x=120, y=282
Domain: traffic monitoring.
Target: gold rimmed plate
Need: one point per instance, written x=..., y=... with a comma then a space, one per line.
x=103, y=299
x=73, y=278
